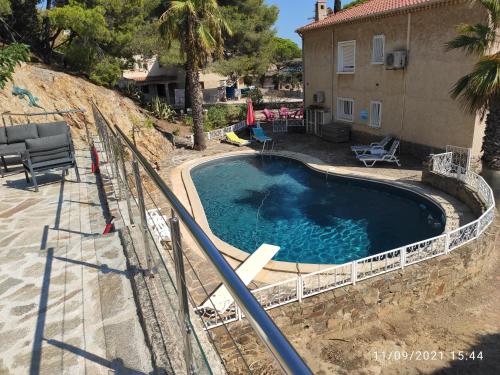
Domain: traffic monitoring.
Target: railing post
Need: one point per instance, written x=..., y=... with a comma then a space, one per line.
x=87, y=132
x=126, y=187
x=403, y=257
x=142, y=210
x=447, y=243
x=115, y=149
x=182, y=293
x=300, y=287
x=353, y=275
x=111, y=156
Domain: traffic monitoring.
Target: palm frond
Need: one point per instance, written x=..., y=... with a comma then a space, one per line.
x=493, y=7
x=198, y=25
x=478, y=88
x=473, y=39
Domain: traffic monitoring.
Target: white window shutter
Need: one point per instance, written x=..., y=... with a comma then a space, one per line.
x=347, y=57
x=378, y=48
x=375, y=114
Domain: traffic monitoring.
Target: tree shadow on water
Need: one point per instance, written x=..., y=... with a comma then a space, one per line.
x=277, y=202
x=488, y=346
x=280, y=202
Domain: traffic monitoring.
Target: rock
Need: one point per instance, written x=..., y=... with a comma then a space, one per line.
x=370, y=296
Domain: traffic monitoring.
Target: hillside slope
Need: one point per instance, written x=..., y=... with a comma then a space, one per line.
x=59, y=91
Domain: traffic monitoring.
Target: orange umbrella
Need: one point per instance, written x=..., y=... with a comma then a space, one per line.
x=250, y=113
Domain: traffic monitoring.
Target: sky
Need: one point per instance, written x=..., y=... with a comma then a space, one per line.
x=293, y=14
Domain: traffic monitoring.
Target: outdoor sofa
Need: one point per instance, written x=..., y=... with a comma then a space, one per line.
x=40, y=147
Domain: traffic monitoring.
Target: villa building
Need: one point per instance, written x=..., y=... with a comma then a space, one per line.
x=169, y=83
x=383, y=68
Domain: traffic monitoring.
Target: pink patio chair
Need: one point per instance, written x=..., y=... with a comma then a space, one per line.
x=284, y=113
x=269, y=115
x=298, y=114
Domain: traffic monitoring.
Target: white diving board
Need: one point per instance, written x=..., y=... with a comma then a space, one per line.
x=221, y=299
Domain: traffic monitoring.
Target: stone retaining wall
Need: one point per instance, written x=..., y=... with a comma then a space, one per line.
x=454, y=188
x=369, y=300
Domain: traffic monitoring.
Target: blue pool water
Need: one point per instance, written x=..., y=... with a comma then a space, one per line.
x=254, y=199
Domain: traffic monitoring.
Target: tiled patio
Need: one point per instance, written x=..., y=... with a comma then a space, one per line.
x=66, y=302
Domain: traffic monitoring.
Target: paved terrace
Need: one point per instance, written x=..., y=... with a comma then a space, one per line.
x=66, y=302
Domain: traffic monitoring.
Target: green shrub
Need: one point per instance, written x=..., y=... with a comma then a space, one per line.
x=132, y=91
x=149, y=123
x=188, y=120
x=216, y=117
x=10, y=56
x=106, y=72
x=161, y=109
x=256, y=96
x=220, y=116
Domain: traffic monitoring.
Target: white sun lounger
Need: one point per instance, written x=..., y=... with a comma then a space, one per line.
x=369, y=160
x=365, y=149
x=221, y=299
x=158, y=223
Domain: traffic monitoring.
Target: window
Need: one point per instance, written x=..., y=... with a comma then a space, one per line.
x=160, y=90
x=347, y=57
x=375, y=114
x=345, y=109
x=378, y=49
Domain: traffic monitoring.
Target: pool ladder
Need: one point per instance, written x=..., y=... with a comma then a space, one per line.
x=327, y=173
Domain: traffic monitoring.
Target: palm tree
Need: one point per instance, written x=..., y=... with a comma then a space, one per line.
x=198, y=26
x=479, y=91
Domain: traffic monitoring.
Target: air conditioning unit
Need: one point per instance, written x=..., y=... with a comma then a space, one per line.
x=319, y=97
x=396, y=60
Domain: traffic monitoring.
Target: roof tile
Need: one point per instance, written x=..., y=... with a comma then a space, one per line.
x=369, y=8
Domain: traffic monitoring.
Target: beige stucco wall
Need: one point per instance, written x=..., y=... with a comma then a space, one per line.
x=416, y=105
x=211, y=80
x=318, y=65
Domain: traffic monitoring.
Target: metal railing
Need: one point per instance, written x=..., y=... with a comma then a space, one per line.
x=311, y=284
x=138, y=189
x=8, y=115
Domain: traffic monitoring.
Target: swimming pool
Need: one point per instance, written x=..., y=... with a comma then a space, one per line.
x=253, y=199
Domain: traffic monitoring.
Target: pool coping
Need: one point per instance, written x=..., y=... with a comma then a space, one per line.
x=185, y=189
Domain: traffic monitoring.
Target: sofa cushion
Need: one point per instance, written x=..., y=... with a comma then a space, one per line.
x=47, y=143
x=3, y=135
x=52, y=128
x=12, y=148
x=48, y=148
x=20, y=133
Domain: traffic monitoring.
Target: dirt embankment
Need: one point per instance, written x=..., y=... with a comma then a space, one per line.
x=59, y=91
